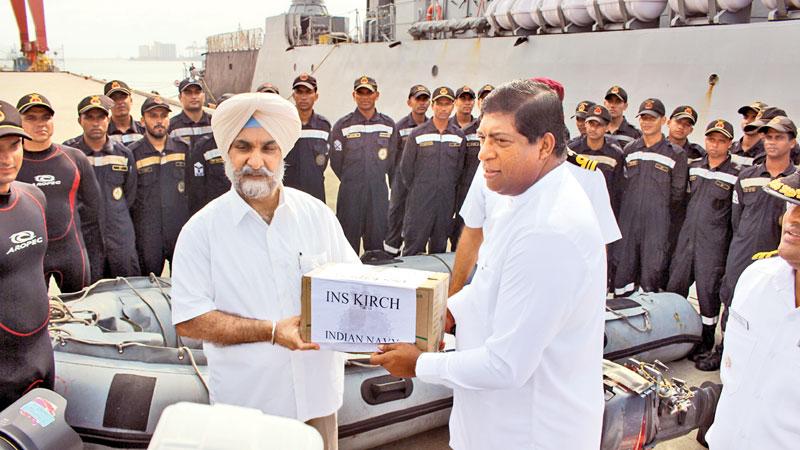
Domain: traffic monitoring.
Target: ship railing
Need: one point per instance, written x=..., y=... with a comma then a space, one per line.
x=241, y=40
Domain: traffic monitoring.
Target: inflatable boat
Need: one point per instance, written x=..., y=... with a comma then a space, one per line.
x=120, y=363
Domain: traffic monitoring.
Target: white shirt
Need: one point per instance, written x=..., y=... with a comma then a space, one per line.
x=229, y=259
x=481, y=203
x=527, y=372
x=760, y=370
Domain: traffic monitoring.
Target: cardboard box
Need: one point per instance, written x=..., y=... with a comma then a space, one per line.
x=430, y=288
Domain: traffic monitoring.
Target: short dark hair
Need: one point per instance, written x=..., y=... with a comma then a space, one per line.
x=536, y=108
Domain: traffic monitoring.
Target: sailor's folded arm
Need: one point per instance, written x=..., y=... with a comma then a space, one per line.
x=224, y=328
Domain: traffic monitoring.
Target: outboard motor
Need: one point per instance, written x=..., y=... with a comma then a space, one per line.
x=36, y=422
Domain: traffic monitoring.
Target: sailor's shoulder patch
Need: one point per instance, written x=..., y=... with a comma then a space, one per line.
x=764, y=255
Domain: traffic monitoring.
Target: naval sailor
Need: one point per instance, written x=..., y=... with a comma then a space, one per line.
x=705, y=235
x=755, y=215
x=419, y=99
x=75, y=236
x=363, y=145
x=431, y=168
x=26, y=361
x=760, y=394
x=655, y=174
x=115, y=169
x=616, y=101
x=160, y=208
x=192, y=123
x=123, y=128
x=306, y=163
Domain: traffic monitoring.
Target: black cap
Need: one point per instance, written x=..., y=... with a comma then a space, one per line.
x=189, y=82
x=224, y=97
x=465, y=90
x=365, y=82
x=785, y=188
x=11, y=121
x=116, y=86
x=721, y=126
x=91, y=102
x=417, y=90
x=443, y=91
x=267, y=88
x=598, y=113
x=153, y=103
x=756, y=107
x=582, y=110
x=29, y=101
x=780, y=123
x=617, y=91
x=684, y=112
x=305, y=80
x=485, y=90
x=652, y=107
x=764, y=116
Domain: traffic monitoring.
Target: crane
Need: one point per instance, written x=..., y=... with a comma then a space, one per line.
x=35, y=58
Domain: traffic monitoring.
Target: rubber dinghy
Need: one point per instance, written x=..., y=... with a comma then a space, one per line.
x=119, y=363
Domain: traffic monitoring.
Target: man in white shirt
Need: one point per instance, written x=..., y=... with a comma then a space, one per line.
x=238, y=266
x=761, y=360
x=527, y=372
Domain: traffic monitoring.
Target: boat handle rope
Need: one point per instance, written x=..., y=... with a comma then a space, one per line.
x=647, y=324
x=155, y=314
x=184, y=351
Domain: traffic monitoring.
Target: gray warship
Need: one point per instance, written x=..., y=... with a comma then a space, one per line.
x=714, y=54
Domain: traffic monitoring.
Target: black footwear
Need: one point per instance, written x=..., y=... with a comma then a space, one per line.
x=711, y=362
x=703, y=349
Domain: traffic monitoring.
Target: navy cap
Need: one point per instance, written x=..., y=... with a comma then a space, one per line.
x=11, y=121
x=153, y=103
x=116, y=86
x=652, y=107
x=267, y=88
x=443, y=91
x=91, y=102
x=721, y=126
x=598, y=113
x=785, y=188
x=582, y=109
x=465, y=90
x=189, y=82
x=365, y=82
x=33, y=99
x=617, y=91
x=305, y=80
x=485, y=90
x=684, y=112
x=417, y=90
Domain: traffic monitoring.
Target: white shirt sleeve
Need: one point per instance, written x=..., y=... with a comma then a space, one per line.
x=192, y=291
x=536, y=296
x=473, y=211
x=596, y=190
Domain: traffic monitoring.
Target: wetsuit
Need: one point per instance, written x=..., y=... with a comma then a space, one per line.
x=127, y=137
x=116, y=174
x=75, y=239
x=397, y=200
x=705, y=237
x=432, y=168
x=306, y=163
x=470, y=167
x=655, y=185
x=161, y=207
x=26, y=359
x=205, y=174
x=362, y=155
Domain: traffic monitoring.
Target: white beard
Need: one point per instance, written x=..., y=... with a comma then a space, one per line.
x=255, y=188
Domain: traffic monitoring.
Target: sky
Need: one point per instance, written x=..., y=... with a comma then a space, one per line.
x=116, y=28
